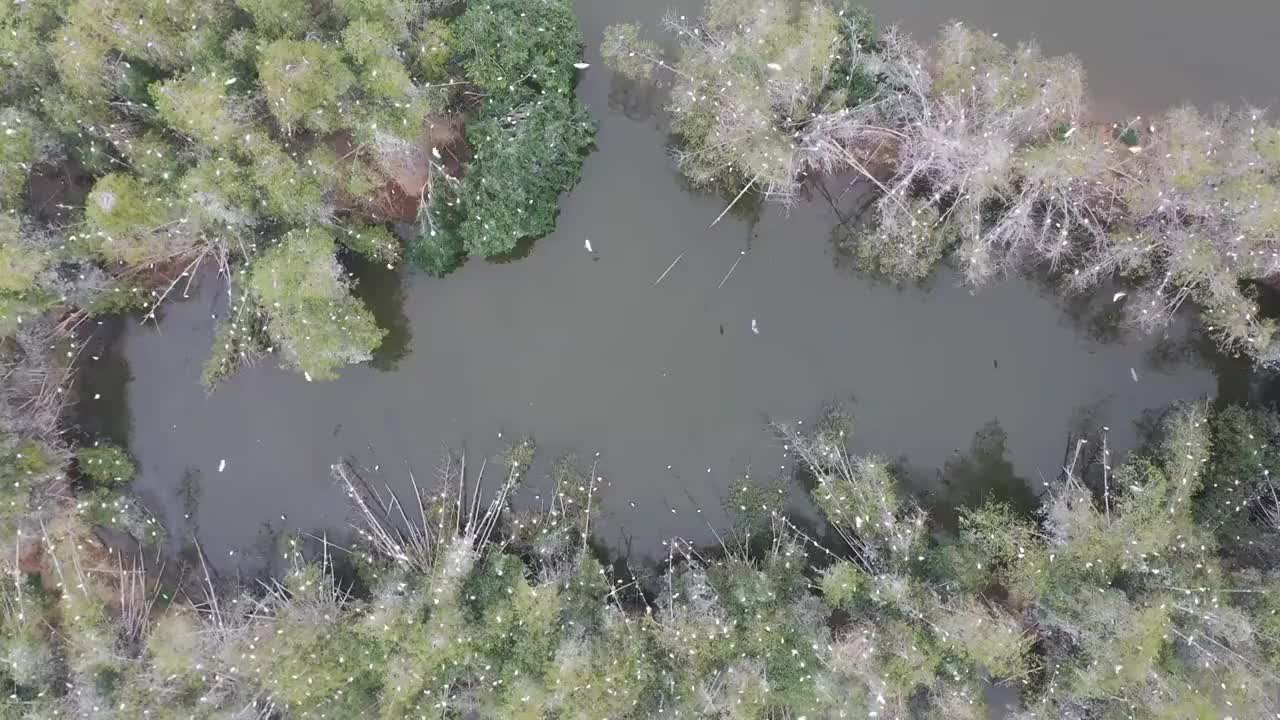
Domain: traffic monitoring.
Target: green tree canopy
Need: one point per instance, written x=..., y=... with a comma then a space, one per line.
x=310, y=312
x=304, y=82
x=526, y=158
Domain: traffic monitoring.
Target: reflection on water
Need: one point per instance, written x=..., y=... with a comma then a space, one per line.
x=981, y=475
x=381, y=289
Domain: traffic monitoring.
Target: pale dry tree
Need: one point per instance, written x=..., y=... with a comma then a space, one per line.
x=1207, y=215
x=439, y=532
x=753, y=121
x=859, y=496
x=964, y=174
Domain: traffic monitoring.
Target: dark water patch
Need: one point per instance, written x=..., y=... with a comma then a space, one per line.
x=523, y=247
x=382, y=290
x=977, y=475
x=102, y=412
x=56, y=191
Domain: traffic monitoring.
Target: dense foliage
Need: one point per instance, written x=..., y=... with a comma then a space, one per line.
x=193, y=137
x=530, y=134
x=531, y=154
x=979, y=152
x=1147, y=590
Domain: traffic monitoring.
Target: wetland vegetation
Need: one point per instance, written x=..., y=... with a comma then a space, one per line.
x=270, y=147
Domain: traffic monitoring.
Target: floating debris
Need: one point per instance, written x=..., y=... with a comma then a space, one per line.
x=755, y=328
x=582, y=65
x=222, y=465
x=664, y=272
x=587, y=244
x=1134, y=374
x=1117, y=297
x=741, y=254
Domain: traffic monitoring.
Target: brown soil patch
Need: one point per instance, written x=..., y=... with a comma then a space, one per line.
x=409, y=174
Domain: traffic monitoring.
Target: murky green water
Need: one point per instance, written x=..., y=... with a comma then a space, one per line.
x=669, y=383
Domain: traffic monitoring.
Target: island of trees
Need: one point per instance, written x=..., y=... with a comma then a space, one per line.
x=146, y=144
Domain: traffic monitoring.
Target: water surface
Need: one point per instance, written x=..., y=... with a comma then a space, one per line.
x=669, y=383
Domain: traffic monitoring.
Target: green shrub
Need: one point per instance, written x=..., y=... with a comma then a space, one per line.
x=843, y=586
x=432, y=49
x=304, y=82
x=363, y=40
x=524, y=159
x=19, y=150
x=281, y=18
x=105, y=466
x=312, y=317
x=25, y=468
x=199, y=104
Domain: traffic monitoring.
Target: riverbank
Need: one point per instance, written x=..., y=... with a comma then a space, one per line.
x=1132, y=580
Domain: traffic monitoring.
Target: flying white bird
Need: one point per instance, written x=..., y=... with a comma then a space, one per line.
x=1134, y=374
x=582, y=66
x=754, y=327
x=306, y=375
x=587, y=244
x=1118, y=296
x=232, y=81
x=222, y=465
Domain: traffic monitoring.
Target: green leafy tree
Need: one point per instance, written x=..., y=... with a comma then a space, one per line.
x=627, y=53
x=221, y=197
x=311, y=315
x=515, y=50
x=20, y=148
x=297, y=193
x=26, y=31
x=374, y=242
x=105, y=465
x=134, y=222
x=396, y=14
x=199, y=104
x=524, y=160
x=281, y=18
x=432, y=48
x=363, y=40
x=304, y=82
x=152, y=156
x=23, y=268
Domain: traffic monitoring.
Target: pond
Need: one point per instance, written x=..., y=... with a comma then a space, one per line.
x=673, y=383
